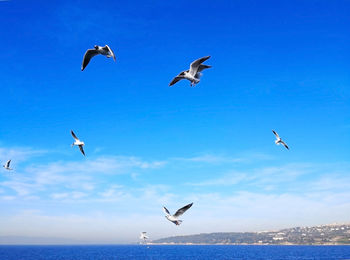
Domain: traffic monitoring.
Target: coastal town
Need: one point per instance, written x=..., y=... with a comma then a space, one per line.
x=333, y=234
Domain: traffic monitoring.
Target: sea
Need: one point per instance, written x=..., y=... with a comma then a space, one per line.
x=169, y=252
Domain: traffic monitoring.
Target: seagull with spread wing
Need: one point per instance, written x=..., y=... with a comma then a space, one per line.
x=278, y=140
x=77, y=142
x=7, y=165
x=194, y=73
x=175, y=218
x=90, y=53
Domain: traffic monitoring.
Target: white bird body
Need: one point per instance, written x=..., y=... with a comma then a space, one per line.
x=7, y=165
x=78, y=143
x=175, y=218
x=194, y=73
x=90, y=53
x=190, y=77
x=103, y=51
x=278, y=141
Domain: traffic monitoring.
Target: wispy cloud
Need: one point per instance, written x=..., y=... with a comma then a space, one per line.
x=210, y=158
x=228, y=179
x=243, y=197
x=114, y=192
x=83, y=175
x=69, y=195
x=291, y=177
x=20, y=154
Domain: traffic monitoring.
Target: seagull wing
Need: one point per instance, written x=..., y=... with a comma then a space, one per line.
x=274, y=132
x=285, y=145
x=81, y=149
x=203, y=67
x=175, y=80
x=87, y=57
x=8, y=163
x=166, y=211
x=74, y=136
x=195, y=65
x=182, y=210
x=110, y=50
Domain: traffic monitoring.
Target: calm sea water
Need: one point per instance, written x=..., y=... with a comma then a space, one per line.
x=174, y=252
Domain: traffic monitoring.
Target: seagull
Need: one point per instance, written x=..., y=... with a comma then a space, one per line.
x=77, y=142
x=143, y=236
x=194, y=73
x=179, y=212
x=106, y=51
x=7, y=165
x=278, y=140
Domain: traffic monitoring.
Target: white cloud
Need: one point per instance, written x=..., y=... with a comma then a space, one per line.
x=114, y=192
x=210, y=158
x=225, y=159
x=82, y=175
x=94, y=195
x=19, y=154
x=7, y=197
x=269, y=178
x=228, y=179
x=60, y=195
x=74, y=195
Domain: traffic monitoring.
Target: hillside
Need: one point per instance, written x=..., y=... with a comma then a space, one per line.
x=335, y=234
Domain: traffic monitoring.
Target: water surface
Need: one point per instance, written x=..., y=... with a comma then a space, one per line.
x=175, y=252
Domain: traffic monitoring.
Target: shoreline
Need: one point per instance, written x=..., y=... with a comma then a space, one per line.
x=197, y=244
x=168, y=244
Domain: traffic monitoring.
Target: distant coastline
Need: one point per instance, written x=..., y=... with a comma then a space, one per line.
x=333, y=234
x=190, y=244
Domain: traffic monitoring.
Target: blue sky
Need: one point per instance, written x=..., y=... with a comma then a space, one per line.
x=280, y=65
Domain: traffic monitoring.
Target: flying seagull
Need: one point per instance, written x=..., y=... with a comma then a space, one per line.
x=106, y=51
x=194, y=73
x=77, y=142
x=174, y=218
x=278, y=140
x=143, y=236
x=7, y=165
